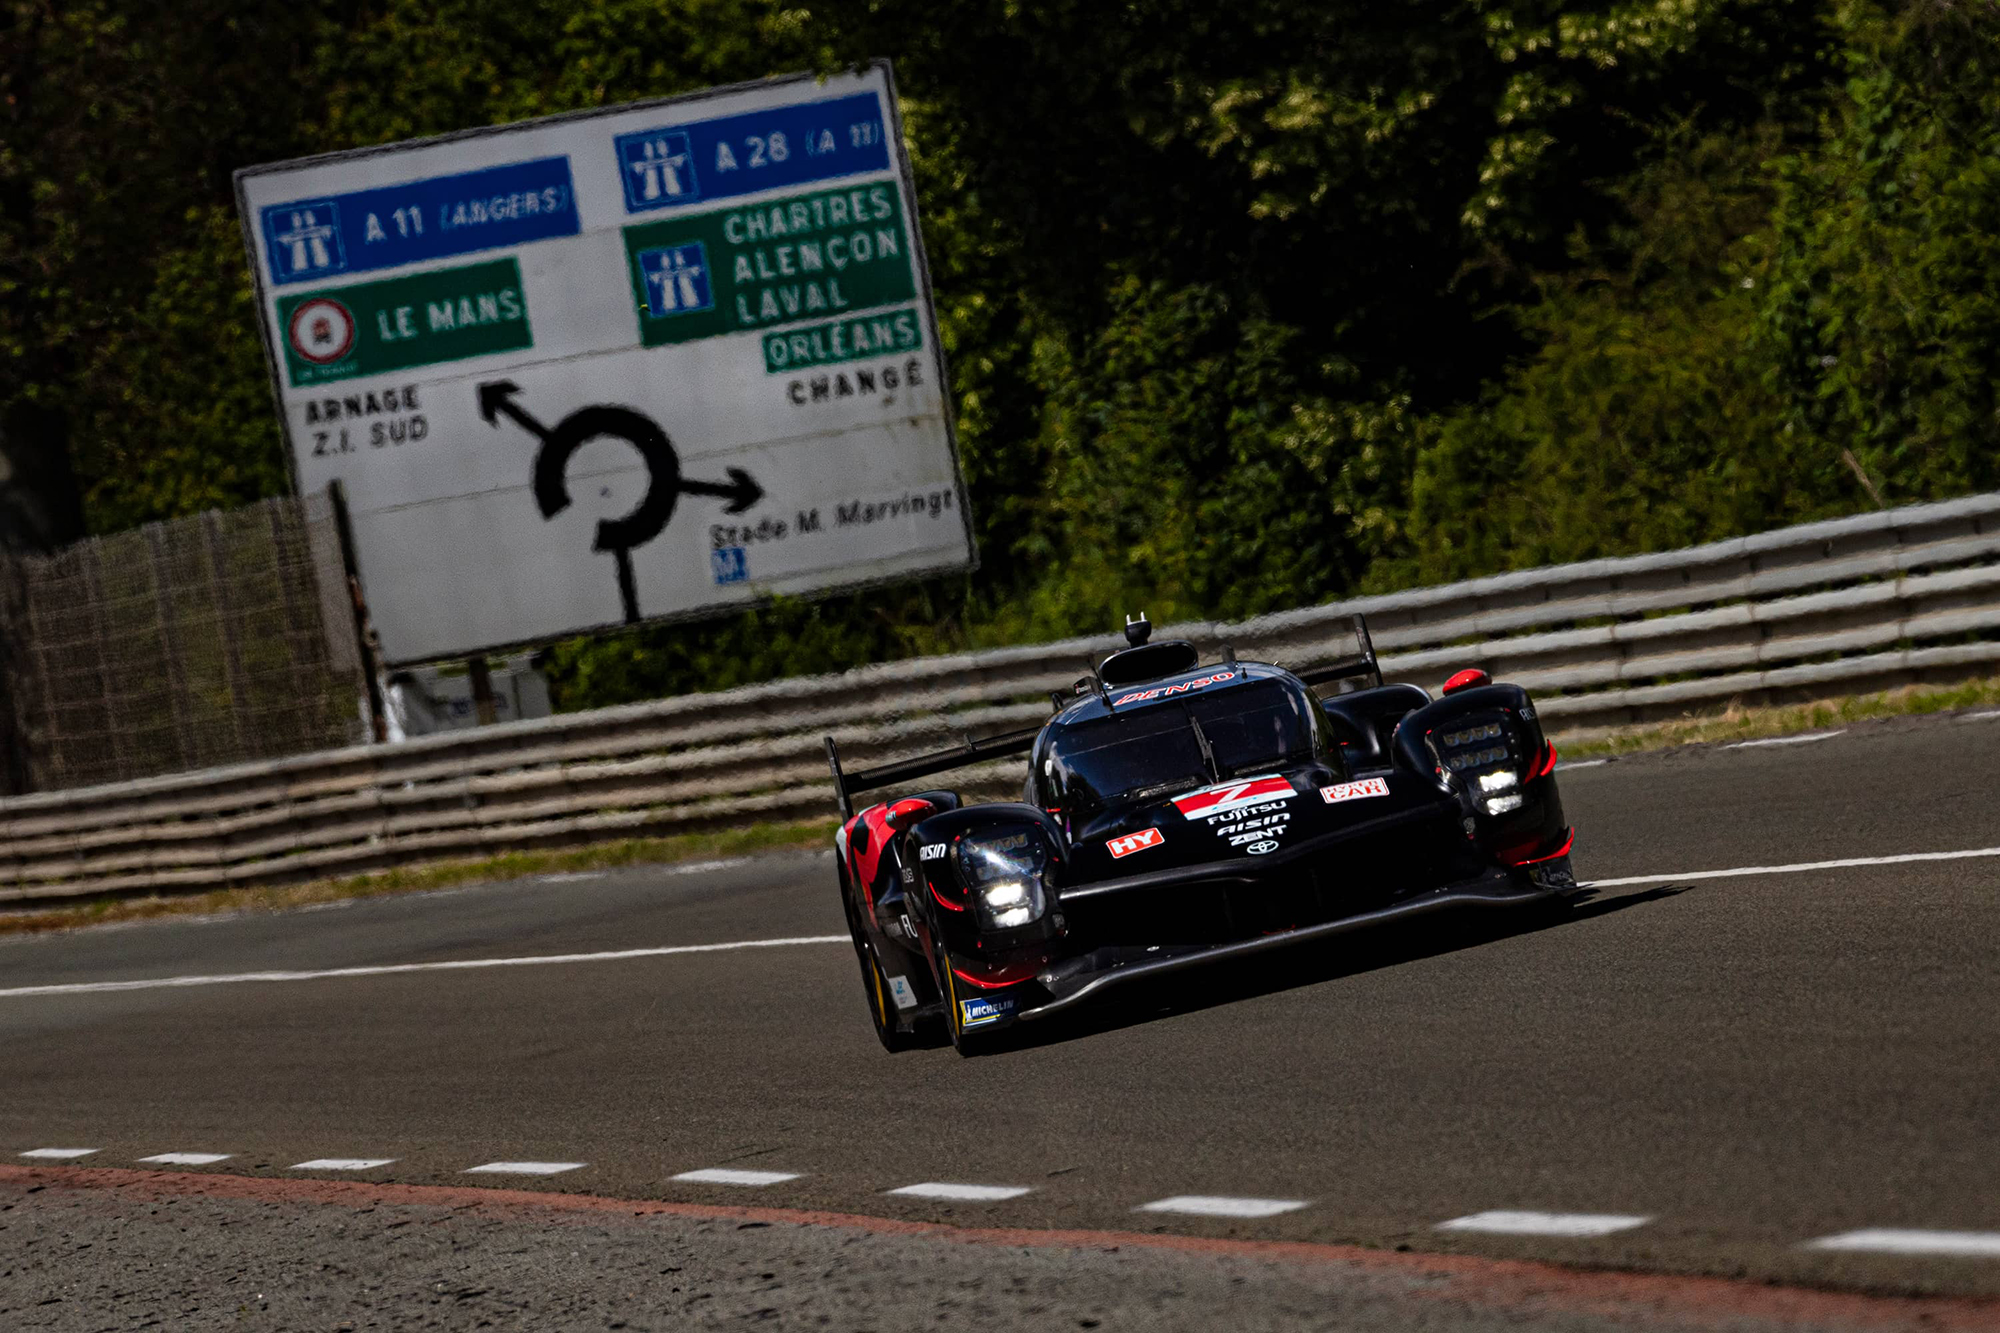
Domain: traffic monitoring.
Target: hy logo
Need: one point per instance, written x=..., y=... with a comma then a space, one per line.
x=657, y=169
x=677, y=279
x=305, y=239
x=1135, y=842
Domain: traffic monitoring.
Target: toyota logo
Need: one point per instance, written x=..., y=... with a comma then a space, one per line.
x=1259, y=848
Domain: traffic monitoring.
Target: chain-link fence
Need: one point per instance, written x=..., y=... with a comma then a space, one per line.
x=208, y=640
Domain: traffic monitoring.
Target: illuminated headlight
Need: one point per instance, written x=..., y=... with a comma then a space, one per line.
x=1499, y=781
x=1004, y=874
x=1500, y=805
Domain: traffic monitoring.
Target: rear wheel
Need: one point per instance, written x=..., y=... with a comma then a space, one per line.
x=881, y=999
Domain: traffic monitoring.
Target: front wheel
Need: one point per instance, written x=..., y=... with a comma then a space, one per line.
x=966, y=1041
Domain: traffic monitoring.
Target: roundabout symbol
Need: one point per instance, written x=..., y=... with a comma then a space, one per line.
x=663, y=467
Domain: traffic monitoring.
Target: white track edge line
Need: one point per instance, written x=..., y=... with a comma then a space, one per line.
x=942, y=1189
x=1892, y=1240
x=1520, y=1222
x=398, y=969
x=1802, y=867
x=1788, y=740
x=618, y=955
x=1213, y=1205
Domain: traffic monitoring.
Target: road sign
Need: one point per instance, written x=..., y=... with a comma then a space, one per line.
x=650, y=362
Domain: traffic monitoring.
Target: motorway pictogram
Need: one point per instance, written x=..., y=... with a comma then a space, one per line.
x=663, y=466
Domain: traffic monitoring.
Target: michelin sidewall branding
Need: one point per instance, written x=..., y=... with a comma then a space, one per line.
x=740, y=272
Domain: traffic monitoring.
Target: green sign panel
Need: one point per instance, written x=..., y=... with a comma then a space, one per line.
x=444, y=315
x=882, y=334
x=812, y=256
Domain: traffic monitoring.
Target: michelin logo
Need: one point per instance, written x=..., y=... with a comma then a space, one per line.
x=979, y=1013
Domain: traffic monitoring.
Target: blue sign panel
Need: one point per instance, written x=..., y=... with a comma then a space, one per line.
x=758, y=150
x=421, y=219
x=677, y=279
x=730, y=563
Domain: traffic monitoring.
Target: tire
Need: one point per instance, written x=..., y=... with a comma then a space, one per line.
x=874, y=985
x=881, y=1007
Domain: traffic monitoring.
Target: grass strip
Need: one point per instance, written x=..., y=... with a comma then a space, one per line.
x=808, y=834
x=1737, y=723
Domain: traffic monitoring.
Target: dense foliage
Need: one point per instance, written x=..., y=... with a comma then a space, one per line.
x=1247, y=305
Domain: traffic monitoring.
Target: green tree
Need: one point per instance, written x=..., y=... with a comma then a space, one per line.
x=1884, y=315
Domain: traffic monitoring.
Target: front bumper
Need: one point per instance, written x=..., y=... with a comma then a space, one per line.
x=1067, y=985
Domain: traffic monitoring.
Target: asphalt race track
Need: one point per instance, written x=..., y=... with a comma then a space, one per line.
x=1703, y=1072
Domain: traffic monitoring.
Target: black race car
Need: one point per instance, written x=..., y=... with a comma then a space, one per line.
x=1176, y=814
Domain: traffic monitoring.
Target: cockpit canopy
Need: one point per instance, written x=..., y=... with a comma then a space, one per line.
x=1255, y=725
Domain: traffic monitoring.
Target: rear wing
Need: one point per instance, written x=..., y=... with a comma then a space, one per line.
x=846, y=784
x=1359, y=665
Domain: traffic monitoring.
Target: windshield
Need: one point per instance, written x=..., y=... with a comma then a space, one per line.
x=1253, y=728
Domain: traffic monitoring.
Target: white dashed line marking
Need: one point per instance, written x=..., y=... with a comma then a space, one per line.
x=1984, y=716
x=1789, y=740
x=1802, y=867
x=1509, y=1223
x=722, y=1175
x=1568, y=764
x=937, y=1189
x=523, y=1168
x=342, y=1164
x=399, y=969
x=188, y=1158
x=1887, y=1240
x=1213, y=1205
x=58, y=1154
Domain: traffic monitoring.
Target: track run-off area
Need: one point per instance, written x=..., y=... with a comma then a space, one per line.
x=1764, y=1048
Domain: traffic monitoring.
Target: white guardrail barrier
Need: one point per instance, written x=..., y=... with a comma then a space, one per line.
x=1853, y=604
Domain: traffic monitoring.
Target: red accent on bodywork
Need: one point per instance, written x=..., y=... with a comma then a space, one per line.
x=942, y=900
x=1569, y=841
x=907, y=812
x=998, y=977
x=1546, y=764
x=864, y=863
x=1466, y=679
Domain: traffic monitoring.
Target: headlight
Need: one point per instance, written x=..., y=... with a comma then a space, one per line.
x=1498, y=781
x=1004, y=871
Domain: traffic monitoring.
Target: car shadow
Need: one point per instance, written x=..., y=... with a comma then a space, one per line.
x=1310, y=964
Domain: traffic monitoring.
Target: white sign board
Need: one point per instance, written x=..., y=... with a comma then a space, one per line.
x=650, y=362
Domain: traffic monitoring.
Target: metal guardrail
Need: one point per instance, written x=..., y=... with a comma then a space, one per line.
x=1853, y=604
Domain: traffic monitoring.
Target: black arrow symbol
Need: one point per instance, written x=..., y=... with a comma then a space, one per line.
x=663, y=467
x=742, y=490
x=497, y=396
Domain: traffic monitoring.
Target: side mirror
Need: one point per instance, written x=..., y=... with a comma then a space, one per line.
x=907, y=812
